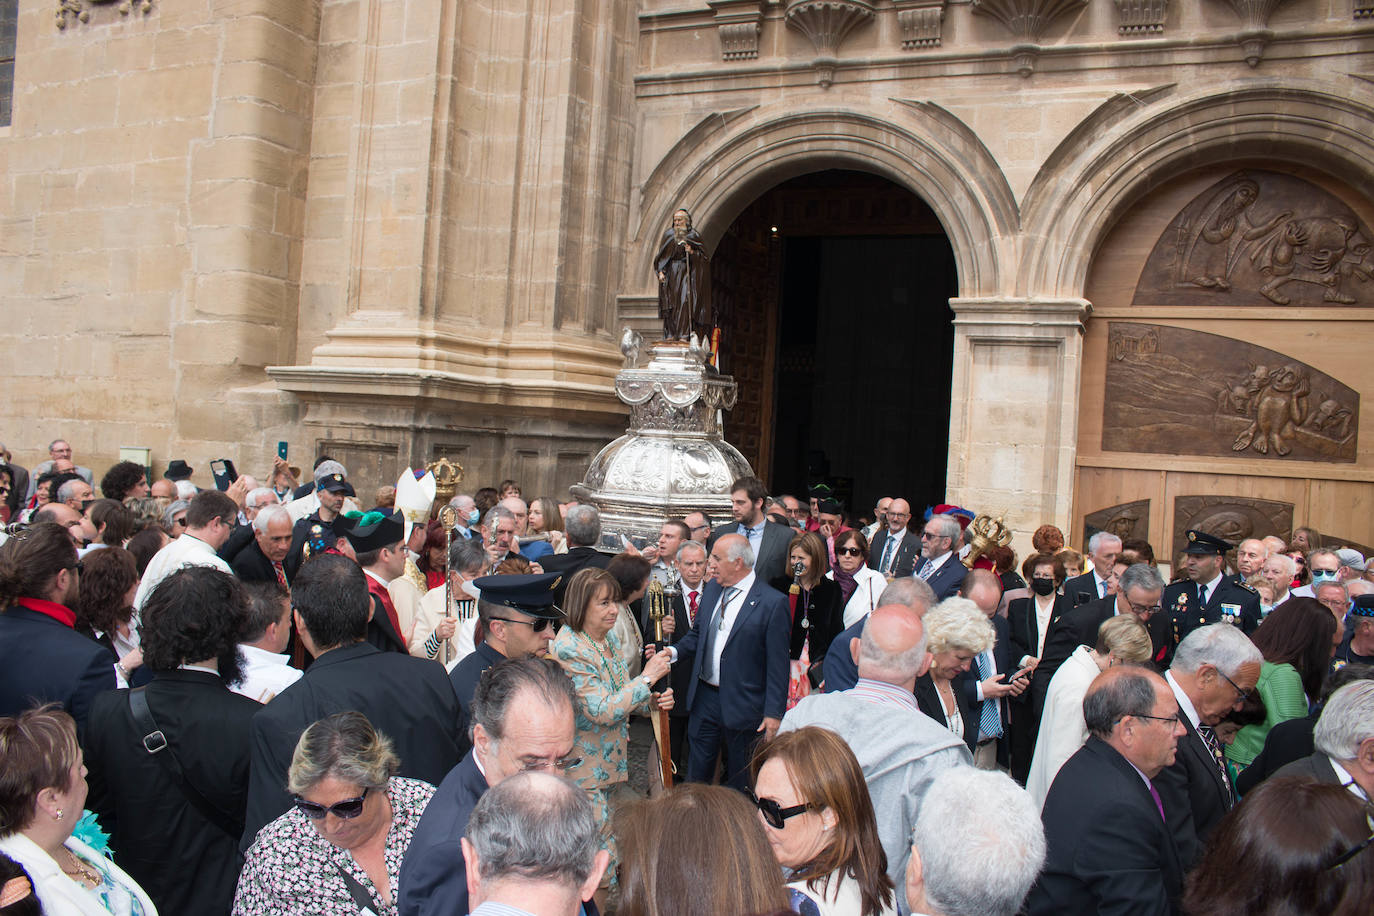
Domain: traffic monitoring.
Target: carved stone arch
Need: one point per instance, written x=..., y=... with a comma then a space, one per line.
x=1106, y=166
x=720, y=167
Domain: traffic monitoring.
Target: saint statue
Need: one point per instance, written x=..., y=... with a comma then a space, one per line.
x=684, y=282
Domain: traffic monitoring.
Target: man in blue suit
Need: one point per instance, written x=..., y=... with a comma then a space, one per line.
x=738, y=655
x=939, y=565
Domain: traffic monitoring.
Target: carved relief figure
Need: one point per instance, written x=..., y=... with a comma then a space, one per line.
x=684, y=281
x=1315, y=250
x=1210, y=248
x=1279, y=404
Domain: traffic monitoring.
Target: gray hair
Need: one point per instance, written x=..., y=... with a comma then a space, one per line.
x=1221, y=645
x=981, y=842
x=504, y=681
x=1131, y=693
x=1322, y=552
x=267, y=514
x=948, y=526
x=891, y=667
x=534, y=827
x=173, y=507
x=462, y=501
x=494, y=515
x=582, y=525
x=1097, y=539
x=68, y=490
x=1346, y=721
x=1331, y=583
x=466, y=556
x=1287, y=563
x=909, y=591
x=1357, y=587
x=1140, y=575
x=957, y=624
x=740, y=550
x=690, y=545
x=260, y=493
x=346, y=747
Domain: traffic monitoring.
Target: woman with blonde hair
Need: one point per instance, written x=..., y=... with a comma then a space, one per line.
x=1120, y=640
x=698, y=850
x=819, y=819
x=956, y=631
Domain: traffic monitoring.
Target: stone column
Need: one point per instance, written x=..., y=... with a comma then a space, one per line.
x=1013, y=424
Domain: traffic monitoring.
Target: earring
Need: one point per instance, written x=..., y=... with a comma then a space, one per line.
x=59, y=814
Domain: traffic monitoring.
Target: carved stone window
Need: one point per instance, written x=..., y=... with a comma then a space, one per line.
x=1141, y=17
x=9, y=20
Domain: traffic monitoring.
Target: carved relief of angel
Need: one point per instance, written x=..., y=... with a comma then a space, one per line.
x=1210, y=248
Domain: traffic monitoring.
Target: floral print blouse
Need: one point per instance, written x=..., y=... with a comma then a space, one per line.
x=292, y=869
x=605, y=698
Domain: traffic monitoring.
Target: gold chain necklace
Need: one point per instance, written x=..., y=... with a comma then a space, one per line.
x=82, y=873
x=608, y=661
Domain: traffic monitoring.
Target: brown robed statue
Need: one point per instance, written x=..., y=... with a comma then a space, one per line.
x=684, y=282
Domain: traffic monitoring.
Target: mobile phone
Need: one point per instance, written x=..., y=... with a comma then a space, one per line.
x=1022, y=673
x=281, y=450
x=224, y=472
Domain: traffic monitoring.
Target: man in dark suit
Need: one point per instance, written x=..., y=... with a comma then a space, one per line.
x=1108, y=849
x=1206, y=595
x=940, y=566
x=378, y=547
x=767, y=539
x=522, y=720
x=841, y=661
x=690, y=563
x=738, y=653
x=1103, y=549
x=895, y=548
x=42, y=659
x=264, y=559
x=191, y=625
x=988, y=684
x=1344, y=740
x=1215, y=668
x=330, y=490
x=408, y=699
x=582, y=526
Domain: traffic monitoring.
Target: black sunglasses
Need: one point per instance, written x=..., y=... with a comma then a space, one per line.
x=347, y=809
x=848, y=552
x=775, y=814
x=538, y=624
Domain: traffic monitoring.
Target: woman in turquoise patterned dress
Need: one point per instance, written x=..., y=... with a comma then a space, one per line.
x=606, y=694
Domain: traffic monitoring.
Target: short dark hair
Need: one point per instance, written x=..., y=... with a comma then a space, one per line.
x=197, y=612
x=582, y=589
x=51, y=480
x=330, y=593
x=752, y=487
x=503, y=681
x=1044, y=559
x=39, y=749
x=145, y=545
x=630, y=572
x=120, y=479
x=106, y=577
x=30, y=561
x=1131, y=693
x=208, y=505
x=370, y=557
x=265, y=601
x=1141, y=548
x=485, y=498
x=117, y=521
x=681, y=527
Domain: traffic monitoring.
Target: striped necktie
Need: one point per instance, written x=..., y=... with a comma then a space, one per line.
x=990, y=718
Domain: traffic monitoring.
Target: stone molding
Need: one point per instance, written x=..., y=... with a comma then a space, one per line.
x=826, y=23
x=81, y=12
x=738, y=25
x=920, y=22
x=1141, y=17
x=1254, y=16
x=1027, y=20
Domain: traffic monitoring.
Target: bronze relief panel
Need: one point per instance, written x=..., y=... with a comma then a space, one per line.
x=1128, y=521
x=1177, y=391
x=1261, y=238
x=1232, y=518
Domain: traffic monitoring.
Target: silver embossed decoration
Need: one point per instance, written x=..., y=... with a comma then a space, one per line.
x=672, y=460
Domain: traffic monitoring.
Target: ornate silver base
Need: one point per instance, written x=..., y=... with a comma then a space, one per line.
x=672, y=460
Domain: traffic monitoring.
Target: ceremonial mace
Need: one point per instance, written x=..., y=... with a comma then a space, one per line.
x=660, y=599
x=448, y=518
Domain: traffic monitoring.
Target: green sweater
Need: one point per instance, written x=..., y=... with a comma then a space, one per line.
x=1280, y=687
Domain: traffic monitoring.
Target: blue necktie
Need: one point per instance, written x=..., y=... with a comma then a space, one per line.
x=990, y=719
x=887, y=554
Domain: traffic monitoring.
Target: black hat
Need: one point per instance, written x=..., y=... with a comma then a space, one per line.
x=178, y=470
x=828, y=506
x=531, y=594
x=374, y=531
x=1363, y=606
x=1200, y=542
x=819, y=490
x=335, y=483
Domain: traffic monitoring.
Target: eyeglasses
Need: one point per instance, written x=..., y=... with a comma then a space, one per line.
x=1174, y=720
x=848, y=552
x=700, y=528
x=538, y=625
x=540, y=766
x=347, y=809
x=774, y=814
x=930, y=535
x=891, y=514
x=1358, y=848
x=1142, y=609
x=1244, y=694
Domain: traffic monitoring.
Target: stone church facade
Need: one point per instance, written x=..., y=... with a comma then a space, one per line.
x=396, y=229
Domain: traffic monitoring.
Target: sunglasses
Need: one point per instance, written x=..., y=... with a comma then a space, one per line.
x=774, y=814
x=848, y=552
x=347, y=809
x=538, y=625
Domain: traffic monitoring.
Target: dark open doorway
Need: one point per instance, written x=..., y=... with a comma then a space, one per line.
x=839, y=332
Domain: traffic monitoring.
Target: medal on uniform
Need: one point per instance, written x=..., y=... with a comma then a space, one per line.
x=1230, y=613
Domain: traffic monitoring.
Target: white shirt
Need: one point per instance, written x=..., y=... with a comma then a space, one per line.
x=1346, y=779
x=687, y=592
x=935, y=565
x=729, y=613
x=890, y=548
x=868, y=588
x=1100, y=583
x=1042, y=620
x=1185, y=705
x=186, y=550
x=1211, y=589
x=265, y=675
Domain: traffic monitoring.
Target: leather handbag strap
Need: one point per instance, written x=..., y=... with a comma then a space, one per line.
x=156, y=744
x=359, y=893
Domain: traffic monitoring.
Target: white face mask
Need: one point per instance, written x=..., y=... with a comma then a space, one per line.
x=473, y=517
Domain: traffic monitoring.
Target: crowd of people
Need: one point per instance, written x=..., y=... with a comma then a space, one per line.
x=262, y=699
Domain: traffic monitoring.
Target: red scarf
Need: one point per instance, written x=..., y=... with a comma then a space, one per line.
x=59, y=612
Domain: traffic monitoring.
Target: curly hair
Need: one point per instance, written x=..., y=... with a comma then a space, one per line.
x=195, y=613
x=106, y=577
x=957, y=625
x=120, y=479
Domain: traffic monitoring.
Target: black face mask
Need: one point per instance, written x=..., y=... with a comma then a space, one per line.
x=1042, y=586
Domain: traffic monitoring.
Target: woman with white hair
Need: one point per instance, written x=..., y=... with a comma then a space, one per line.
x=956, y=632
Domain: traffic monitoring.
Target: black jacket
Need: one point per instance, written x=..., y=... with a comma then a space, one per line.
x=1196, y=794
x=575, y=559
x=252, y=565
x=905, y=558
x=45, y=661
x=928, y=699
x=433, y=879
x=1286, y=742
x=184, y=861
x=1180, y=605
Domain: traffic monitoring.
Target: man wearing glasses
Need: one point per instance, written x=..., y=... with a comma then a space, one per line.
x=895, y=549
x=939, y=566
x=1215, y=668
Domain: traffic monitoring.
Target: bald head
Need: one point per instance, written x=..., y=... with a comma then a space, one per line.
x=893, y=646
x=983, y=588
x=898, y=514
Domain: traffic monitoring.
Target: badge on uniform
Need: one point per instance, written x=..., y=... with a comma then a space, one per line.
x=1230, y=613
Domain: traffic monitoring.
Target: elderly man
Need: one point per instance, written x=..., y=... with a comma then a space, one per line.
x=939, y=565
x=210, y=519
x=989, y=682
x=258, y=498
x=1250, y=557
x=531, y=848
x=767, y=540
x=522, y=719
x=408, y=700
x=77, y=525
x=738, y=652
x=690, y=566
x=1206, y=596
x=1108, y=849
x=895, y=549
x=969, y=810
x=1352, y=564
x=1335, y=597
x=699, y=524
x=1103, y=549
x=1344, y=741
x=582, y=525
x=1215, y=668
x=841, y=667
x=1278, y=570
x=465, y=525
x=900, y=749
x=76, y=494
x=263, y=559
x=59, y=454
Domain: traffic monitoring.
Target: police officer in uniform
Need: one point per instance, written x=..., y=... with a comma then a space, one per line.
x=1207, y=596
